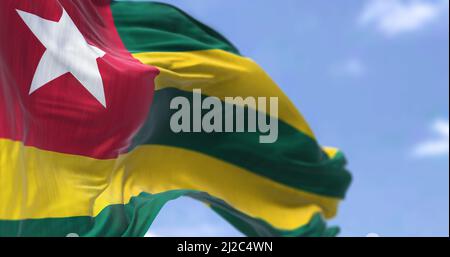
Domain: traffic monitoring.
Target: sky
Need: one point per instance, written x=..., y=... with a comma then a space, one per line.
x=372, y=78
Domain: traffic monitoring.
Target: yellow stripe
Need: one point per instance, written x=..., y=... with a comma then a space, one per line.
x=221, y=74
x=40, y=184
x=331, y=152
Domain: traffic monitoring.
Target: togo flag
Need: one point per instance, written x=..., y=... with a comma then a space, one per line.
x=86, y=144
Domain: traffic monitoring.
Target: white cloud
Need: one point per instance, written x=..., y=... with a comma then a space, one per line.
x=149, y=234
x=437, y=146
x=393, y=17
x=352, y=67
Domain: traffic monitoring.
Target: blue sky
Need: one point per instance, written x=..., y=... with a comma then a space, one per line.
x=371, y=77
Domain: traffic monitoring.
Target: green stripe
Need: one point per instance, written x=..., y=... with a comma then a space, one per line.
x=256, y=227
x=132, y=219
x=295, y=159
x=157, y=27
x=135, y=218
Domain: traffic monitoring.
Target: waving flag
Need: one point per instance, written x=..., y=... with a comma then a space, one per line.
x=85, y=140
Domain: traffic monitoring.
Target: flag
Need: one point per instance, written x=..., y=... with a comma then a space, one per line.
x=86, y=145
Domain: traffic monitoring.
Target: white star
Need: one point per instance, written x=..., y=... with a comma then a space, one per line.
x=66, y=51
